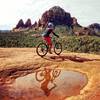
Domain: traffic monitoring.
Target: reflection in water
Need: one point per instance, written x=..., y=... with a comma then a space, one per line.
x=46, y=76
x=44, y=84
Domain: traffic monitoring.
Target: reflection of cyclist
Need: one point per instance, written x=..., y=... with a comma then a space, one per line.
x=46, y=35
x=45, y=83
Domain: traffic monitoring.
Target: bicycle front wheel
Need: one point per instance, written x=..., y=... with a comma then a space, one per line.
x=42, y=49
x=56, y=72
x=58, y=48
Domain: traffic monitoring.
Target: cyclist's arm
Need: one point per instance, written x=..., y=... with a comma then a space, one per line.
x=55, y=34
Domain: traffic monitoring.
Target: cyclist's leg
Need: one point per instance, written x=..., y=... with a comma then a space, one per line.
x=49, y=43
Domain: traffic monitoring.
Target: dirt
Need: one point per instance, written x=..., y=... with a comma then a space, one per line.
x=16, y=64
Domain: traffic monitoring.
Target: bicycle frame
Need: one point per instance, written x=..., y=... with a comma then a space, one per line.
x=55, y=46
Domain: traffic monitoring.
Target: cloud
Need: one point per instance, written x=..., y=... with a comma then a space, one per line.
x=86, y=11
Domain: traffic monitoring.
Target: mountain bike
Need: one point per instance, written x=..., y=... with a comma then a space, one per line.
x=41, y=75
x=42, y=48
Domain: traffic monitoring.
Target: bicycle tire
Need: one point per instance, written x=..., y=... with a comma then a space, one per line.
x=39, y=75
x=58, y=43
x=39, y=46
x=56, y=72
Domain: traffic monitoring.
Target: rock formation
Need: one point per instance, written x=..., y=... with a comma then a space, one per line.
x=57, y=15
x=95, y=27
x=28, y=23
x=20, y=24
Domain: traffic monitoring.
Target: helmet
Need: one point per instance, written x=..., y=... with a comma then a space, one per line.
x=50, y=25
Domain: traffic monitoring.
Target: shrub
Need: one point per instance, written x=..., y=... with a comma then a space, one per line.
x=87, y=44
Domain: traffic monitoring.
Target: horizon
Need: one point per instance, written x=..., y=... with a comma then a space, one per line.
x=12, y=11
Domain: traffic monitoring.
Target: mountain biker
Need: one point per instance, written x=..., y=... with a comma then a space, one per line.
x=46, y=35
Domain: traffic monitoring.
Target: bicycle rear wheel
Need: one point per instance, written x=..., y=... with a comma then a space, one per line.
x=40, y=75
x=42, y=49
x=58, y=48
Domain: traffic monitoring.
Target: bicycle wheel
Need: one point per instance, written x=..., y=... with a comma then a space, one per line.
x=40, y=75
x=56, y=72
x=58, y=48
x=42, y=49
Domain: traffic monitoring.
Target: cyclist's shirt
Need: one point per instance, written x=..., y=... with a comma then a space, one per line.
x=47, y=32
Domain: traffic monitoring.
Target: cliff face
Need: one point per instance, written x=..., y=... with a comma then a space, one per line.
x=95, y=26
x=57, y=15
x=20, y=24
x=28, y=23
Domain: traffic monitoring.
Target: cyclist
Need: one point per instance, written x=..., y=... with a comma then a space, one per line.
x=46, y=35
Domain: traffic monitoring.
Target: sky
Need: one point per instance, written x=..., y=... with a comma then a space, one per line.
x=11, y=11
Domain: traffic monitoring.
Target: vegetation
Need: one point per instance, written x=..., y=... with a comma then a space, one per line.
x=87, y=44
x=18, y=40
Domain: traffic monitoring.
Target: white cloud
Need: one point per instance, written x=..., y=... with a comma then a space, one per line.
x=87, y=11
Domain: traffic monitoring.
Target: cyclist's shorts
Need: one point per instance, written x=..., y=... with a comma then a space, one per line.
x=48, y=40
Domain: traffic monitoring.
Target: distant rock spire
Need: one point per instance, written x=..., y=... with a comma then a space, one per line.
x=20, y=24
x=28, y=23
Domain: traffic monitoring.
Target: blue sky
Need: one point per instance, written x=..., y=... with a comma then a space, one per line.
x=86, y=11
